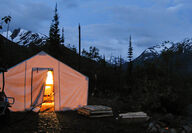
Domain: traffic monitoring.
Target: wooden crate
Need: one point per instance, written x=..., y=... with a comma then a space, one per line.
x=95, y=111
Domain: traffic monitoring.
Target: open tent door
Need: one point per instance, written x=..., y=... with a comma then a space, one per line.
x=42, y=95
x=48, y=97
x=38, y=77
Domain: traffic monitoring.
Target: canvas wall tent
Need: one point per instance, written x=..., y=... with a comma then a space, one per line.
x=25, y=82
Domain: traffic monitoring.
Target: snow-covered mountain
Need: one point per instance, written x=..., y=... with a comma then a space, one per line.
x=155, y=51
x=25, y=37
x=185, y=46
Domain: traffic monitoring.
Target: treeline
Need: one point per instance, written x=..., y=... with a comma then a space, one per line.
x=156, y=85
x=163, y=84
x=103, y=76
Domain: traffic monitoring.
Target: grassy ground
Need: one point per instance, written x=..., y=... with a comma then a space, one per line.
x=69, y=122
x=20, y=122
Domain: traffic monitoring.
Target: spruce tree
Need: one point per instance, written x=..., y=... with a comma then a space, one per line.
x=54, y=36
x=120, y=63
x=130, y=50
x=62, y=37
x=129, y=68
x=130, y=56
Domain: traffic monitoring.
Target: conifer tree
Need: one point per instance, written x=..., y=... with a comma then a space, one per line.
x=129, y=68
x=104, y=61
x=54, y=36
x=62, y=37
x=120, y=63
x=1, y=27
x=130, y=56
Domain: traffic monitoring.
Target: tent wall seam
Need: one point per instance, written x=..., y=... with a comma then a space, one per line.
x=59, y=85
x=25, y=86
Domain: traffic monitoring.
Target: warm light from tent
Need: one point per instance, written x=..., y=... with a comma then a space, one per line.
x=48, y=90
x=49, y=79
x=48, y=98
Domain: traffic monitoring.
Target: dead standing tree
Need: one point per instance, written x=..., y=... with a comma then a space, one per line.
x=7, y=20
x=79, y=47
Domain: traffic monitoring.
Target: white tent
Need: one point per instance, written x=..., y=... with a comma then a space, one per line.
x=26, y=83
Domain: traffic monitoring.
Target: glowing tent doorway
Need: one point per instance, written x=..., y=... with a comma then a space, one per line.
x=48, y=95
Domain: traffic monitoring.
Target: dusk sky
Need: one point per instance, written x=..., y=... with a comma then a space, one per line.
x=106, y=24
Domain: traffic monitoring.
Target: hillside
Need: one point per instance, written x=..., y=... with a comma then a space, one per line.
x=184, y=47
x=177, y=56
x=25, y=37
x=153, y=52
x=99, y=72
x=12, y=53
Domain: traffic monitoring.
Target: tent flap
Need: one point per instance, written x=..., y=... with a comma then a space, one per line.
x=37, y=88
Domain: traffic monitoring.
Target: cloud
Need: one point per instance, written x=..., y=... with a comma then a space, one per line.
x=68, y=4
x=174, y=8
x=72, y=5
x=107, y=25
x=161, y=24
x=104, y=37
x=28, y=15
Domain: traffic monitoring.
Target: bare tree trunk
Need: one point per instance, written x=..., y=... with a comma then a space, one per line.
x=7, y=29
x=79, y=47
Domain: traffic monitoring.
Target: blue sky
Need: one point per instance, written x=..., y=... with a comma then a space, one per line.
x=106, y=24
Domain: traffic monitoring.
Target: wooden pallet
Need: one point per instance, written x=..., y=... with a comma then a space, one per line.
x=95, y=111
x=134, y=116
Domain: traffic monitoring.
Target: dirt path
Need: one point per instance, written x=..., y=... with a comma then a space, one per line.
x=67, y=122
x=48, y=122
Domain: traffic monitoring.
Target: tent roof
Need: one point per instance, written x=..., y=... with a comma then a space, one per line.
x=44, y=53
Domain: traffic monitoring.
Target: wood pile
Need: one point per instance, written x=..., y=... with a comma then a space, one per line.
x=134, y=116
x=95, y=111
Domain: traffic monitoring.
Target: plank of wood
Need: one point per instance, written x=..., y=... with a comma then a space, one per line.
x=83, y=111
x=102, y=115
x=96, y=107
x=101, y=112
x=95, y=111
x=134, y=114
x=134, y=117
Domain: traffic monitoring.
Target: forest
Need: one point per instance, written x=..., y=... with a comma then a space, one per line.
x=157, y=85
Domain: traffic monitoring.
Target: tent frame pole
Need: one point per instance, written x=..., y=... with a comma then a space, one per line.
x=25, y=86
x=31, y=86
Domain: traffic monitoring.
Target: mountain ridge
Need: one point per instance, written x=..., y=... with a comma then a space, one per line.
x=155, y=51
x=25, y=37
